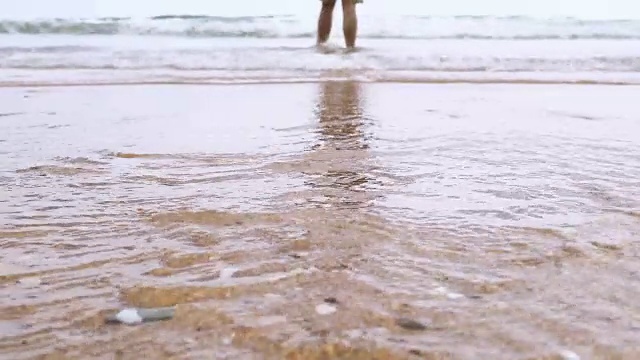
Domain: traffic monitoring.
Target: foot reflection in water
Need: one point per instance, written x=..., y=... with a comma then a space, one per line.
x=341, y=158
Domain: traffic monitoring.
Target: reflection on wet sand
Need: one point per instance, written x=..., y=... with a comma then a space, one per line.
x=341, y=154
x=341, y=115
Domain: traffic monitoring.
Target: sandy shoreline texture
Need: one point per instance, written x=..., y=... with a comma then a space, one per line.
x=75, y=78
x=321, y=220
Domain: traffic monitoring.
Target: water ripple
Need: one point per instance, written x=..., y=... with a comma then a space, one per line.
x=501, y=217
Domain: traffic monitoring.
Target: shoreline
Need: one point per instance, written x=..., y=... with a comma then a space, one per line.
x=20, y=78
x=312, y=81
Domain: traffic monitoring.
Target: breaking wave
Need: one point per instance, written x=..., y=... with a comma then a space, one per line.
x=291, y=26
x=298, y=59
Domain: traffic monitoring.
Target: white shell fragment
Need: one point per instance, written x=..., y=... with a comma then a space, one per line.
x=443, y=291
x=133, y=316
x=454, y=296
x=569, y=355
x=129, y=317
x=30, y=282
x=227, y=273
x=324, y=309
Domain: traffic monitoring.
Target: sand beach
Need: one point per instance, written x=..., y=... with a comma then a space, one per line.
x=502, y=218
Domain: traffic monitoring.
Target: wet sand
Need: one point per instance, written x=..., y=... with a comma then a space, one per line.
x=502, y=218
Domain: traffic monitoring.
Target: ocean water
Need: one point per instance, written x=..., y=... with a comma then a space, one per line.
x=208, y=47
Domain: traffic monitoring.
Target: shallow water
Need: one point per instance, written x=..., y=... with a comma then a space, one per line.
x=276, y=48
x=502, y=217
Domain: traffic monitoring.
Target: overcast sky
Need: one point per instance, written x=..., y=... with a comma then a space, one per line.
x=95, y=8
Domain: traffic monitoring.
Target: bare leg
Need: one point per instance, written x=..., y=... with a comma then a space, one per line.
x=349, y=22
x=325, y=20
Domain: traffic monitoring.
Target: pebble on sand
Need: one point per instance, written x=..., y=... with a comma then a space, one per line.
x=410, y=324
x=30, y=282
x=227, y=273
x=324, y=309
x=569, y=355
x=134, y=316
x=443, y=291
